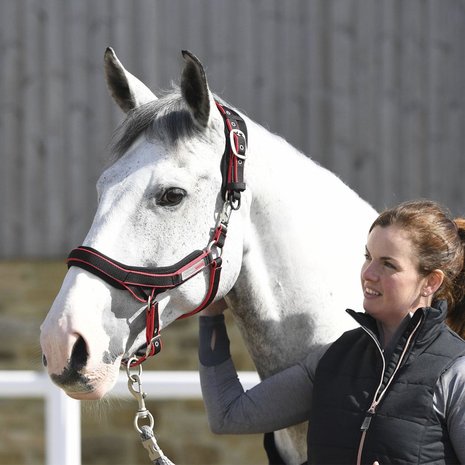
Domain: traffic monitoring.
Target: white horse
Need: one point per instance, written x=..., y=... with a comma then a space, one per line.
x=291, y=259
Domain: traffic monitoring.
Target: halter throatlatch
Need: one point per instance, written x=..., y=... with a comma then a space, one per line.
x=145, y=284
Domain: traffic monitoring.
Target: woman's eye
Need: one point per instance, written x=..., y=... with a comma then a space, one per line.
x=390, y=265
x=171, y=197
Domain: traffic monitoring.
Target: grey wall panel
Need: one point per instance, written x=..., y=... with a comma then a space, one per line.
x=371, y=89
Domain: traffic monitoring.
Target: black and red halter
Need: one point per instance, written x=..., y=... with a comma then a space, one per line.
x=145, y=284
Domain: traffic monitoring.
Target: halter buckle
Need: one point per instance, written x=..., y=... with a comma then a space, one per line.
x=242, y=142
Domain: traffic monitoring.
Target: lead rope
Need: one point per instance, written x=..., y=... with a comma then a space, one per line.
x=146, y=433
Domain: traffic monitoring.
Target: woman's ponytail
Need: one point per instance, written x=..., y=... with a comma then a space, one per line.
x=456, y=313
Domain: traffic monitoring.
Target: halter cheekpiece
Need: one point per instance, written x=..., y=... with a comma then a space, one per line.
x=145, y=284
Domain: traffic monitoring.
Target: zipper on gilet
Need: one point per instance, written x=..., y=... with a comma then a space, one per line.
x=379, y=394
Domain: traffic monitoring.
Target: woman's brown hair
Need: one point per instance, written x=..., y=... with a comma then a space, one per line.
x=440, y=244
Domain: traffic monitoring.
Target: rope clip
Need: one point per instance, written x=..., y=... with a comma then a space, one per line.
x=135, y=388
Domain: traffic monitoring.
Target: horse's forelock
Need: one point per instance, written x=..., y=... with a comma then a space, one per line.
x=166, y=119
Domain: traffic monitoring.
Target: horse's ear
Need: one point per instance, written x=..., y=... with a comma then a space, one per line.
x=127, y=91
x=194, y=88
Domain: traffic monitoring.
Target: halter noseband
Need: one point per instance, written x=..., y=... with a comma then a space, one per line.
x=145, y=284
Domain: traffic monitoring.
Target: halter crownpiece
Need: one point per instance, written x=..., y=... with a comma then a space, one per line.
x=145, y=284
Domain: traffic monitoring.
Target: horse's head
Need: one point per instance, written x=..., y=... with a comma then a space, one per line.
x=158, y=201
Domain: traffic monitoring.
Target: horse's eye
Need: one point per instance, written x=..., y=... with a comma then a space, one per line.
x=171, y=197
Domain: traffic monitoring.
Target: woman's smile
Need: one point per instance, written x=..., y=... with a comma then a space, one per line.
x=369, y=292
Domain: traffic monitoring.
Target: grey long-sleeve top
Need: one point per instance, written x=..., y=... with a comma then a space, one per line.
x=285, y=398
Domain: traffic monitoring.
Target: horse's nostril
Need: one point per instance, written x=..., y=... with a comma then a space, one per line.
x=79, y=354
x=44, y=360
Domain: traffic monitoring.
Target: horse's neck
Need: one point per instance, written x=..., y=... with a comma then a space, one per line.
x=301, y=266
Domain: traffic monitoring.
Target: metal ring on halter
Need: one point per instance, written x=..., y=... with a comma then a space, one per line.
x=219, y=250
x=128, y=369
x=235, y=204
x=238, y=133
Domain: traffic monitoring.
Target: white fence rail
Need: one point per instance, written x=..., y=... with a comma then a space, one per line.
x=63, y=415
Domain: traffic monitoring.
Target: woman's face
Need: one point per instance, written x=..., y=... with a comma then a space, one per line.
x=392, y=286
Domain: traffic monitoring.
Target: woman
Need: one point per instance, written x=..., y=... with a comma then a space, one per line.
x=391, y=391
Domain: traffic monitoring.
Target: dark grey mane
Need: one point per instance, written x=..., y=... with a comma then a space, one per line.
x=167, y=119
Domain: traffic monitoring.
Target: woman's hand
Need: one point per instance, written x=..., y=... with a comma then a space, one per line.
x=215, y=308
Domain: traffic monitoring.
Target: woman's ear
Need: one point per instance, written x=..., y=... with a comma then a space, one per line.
x=433, y=282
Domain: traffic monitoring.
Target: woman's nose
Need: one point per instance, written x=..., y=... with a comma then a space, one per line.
x=369, y=272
